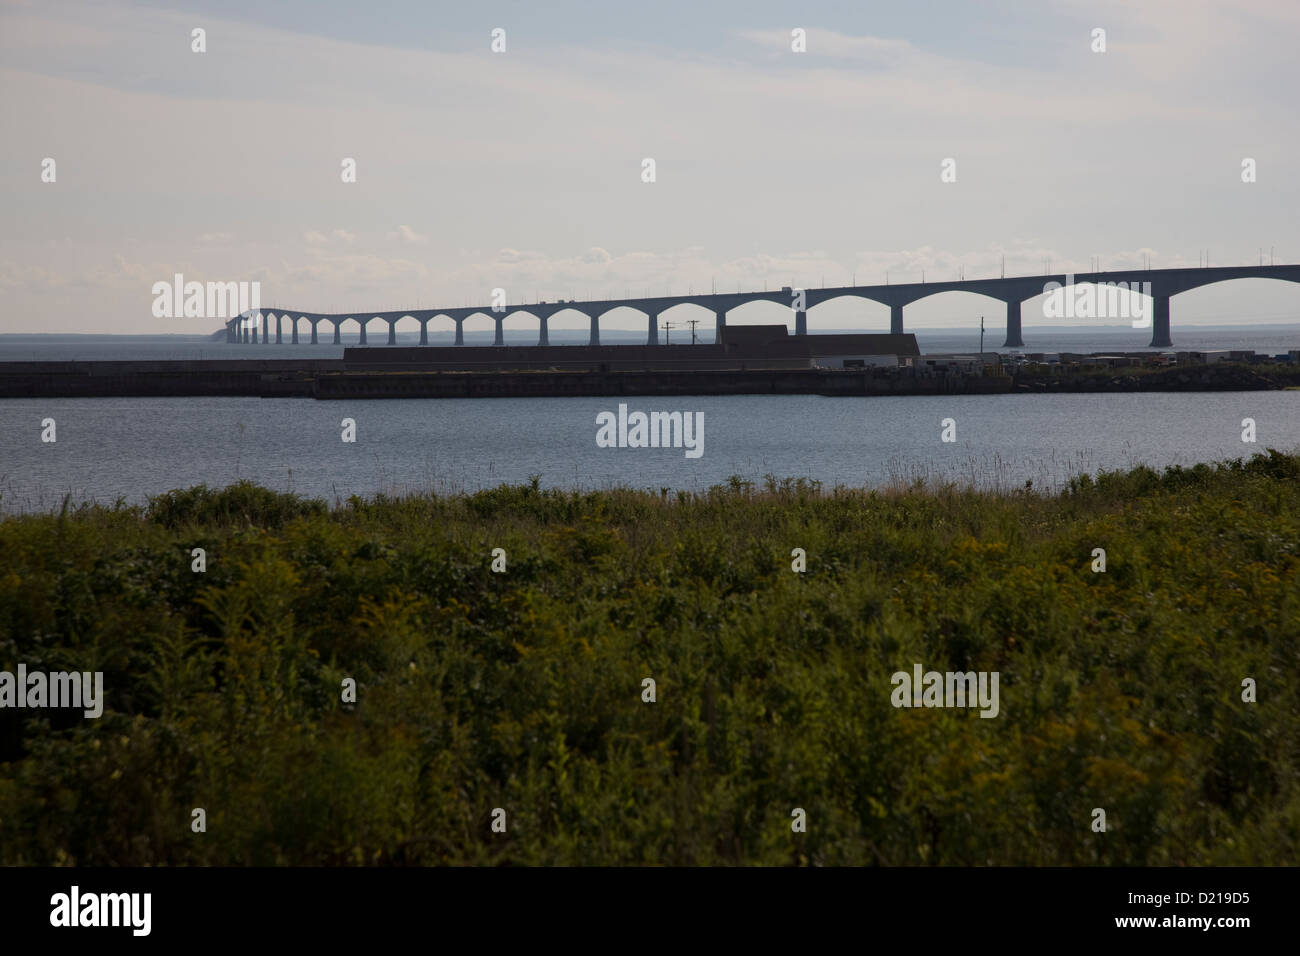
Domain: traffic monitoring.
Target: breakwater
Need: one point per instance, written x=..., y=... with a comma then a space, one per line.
x=342, y=379
x=333, y=379
x=134, y=379
x=1191, y=378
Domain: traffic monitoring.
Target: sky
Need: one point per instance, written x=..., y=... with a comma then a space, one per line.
x=523, y=169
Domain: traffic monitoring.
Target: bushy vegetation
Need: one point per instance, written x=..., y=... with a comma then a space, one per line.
x=477, y=690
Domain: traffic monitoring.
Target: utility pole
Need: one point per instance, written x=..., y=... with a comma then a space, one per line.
x=666, y=327
x=981, y=339
x=693, y=323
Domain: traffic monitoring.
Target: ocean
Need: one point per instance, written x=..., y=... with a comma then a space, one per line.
x=1270, y=339
x=132, y=448
x=136, y=447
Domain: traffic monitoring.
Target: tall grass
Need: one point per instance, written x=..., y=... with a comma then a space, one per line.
x=523, y=690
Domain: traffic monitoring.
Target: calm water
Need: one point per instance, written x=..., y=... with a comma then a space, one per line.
x=136, y=447
x=1270, y=339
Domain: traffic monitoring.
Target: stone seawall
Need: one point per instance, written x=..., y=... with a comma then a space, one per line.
x=329, y=379
x=270, y=379
x=1189, y=378
x=729, y=382
x=337, y=379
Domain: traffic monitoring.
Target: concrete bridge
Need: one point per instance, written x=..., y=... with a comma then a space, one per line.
x=1159, y=285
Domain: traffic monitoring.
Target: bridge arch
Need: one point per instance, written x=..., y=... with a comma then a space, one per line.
x=958, y=308
x=623, y=319
x=679, y=315
x=573, y=317
x=407, y=326
x=477, y=328
x=439, y=328
x=761, y=312
x=849, y=310
x=520, y=326
x=1191, y=282
x=1217, y=298
x=1100, y=301
x=565, y=319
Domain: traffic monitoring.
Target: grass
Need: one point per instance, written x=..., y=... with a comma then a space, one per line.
x=1119, y=690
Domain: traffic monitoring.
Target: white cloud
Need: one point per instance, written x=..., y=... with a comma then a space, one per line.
x=407, y=234
x=316, y=238
x=831, y=43
x=516, y=255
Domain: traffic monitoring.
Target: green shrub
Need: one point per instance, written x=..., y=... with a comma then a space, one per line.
x=523, y=690
x=242, y=502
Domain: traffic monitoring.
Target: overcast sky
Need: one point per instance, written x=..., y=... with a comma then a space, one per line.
x=523, y=169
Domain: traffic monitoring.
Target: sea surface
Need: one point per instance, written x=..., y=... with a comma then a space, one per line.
x=1271, y=339
x=131, y=448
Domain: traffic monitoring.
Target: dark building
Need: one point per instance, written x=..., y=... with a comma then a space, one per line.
x=738, y=347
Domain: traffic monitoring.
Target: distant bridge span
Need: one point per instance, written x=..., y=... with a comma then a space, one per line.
x=1159, y=284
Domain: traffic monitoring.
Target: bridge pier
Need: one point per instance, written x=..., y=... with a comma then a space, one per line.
x=1160, y=323
x=279, y=330
x=313, y=333
x=338, y=339
x=595, y=331
x=719, y=323
x=460, y=331
x=543, y=338
x=363, y=334
x=424, y=332
x=246, y=334
x=1014, y=338
x=895, y=320
x=500, y=337
x=232, y=330
x=266, y=330
x=801, y=322
x=293, y=328
x=392, y=333
x=653, y=331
